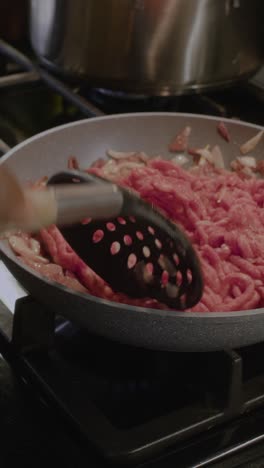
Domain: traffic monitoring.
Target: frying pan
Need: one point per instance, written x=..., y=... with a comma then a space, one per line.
x=48, y=152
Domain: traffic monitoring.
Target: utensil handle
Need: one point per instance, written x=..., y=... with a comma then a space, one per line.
x=74, y=202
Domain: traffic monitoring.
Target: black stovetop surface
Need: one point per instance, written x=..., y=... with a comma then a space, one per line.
x=87, y=401
x=32, y=437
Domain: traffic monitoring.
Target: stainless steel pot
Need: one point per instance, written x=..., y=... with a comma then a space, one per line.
x=150, y=46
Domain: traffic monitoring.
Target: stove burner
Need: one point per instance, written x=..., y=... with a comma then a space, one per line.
x=119, y=102
x=132, y=404
x=121, y=95
x=129, y=403
x=132, y=385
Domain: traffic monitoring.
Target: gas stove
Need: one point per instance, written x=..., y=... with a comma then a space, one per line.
x=121, y=405
x=130, y=406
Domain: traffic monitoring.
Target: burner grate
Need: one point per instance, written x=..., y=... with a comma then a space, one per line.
x=128, y=403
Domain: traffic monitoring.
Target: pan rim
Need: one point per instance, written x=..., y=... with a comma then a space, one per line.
x=28, y=141
x=138, y=309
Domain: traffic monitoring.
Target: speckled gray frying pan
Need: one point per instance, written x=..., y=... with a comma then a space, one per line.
x=48, y=152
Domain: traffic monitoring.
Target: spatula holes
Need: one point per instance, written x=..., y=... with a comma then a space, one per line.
x=161, y=262
x=148, y=272
x=98, y=235
x=183, y=299
x=149, y=268
x=131, y=261
x=166, y=264
x=164, y=278
x=132, y=219
x=121, y=220
x=127, y=239
x=178, y=278
x=86, y=221
x=151, y=230
x=189, y=276
x=115, y=248
x=172, y=290
x=111, y=227
x=139, y=235
x=158, y=243
x=176, y=259
x=146, y=251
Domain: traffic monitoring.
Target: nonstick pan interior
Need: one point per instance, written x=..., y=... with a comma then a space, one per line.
x=88, y=140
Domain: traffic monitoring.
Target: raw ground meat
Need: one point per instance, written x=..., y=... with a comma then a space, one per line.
x=221, y=212
x=223, y=215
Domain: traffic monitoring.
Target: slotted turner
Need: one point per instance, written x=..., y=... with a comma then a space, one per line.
x=135, y=249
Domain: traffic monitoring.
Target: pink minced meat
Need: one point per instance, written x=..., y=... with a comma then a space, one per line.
x=221, y=212
x=224, y=218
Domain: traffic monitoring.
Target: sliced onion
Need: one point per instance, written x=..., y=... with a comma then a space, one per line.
x=20, y=247
x=244, y=165
x=119, y=154
x=248, y=161
x=206, y=155
x=251, y=144
x=218, y=160
x=34, y=245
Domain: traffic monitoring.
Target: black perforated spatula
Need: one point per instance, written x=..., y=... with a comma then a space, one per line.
x=131, y=245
